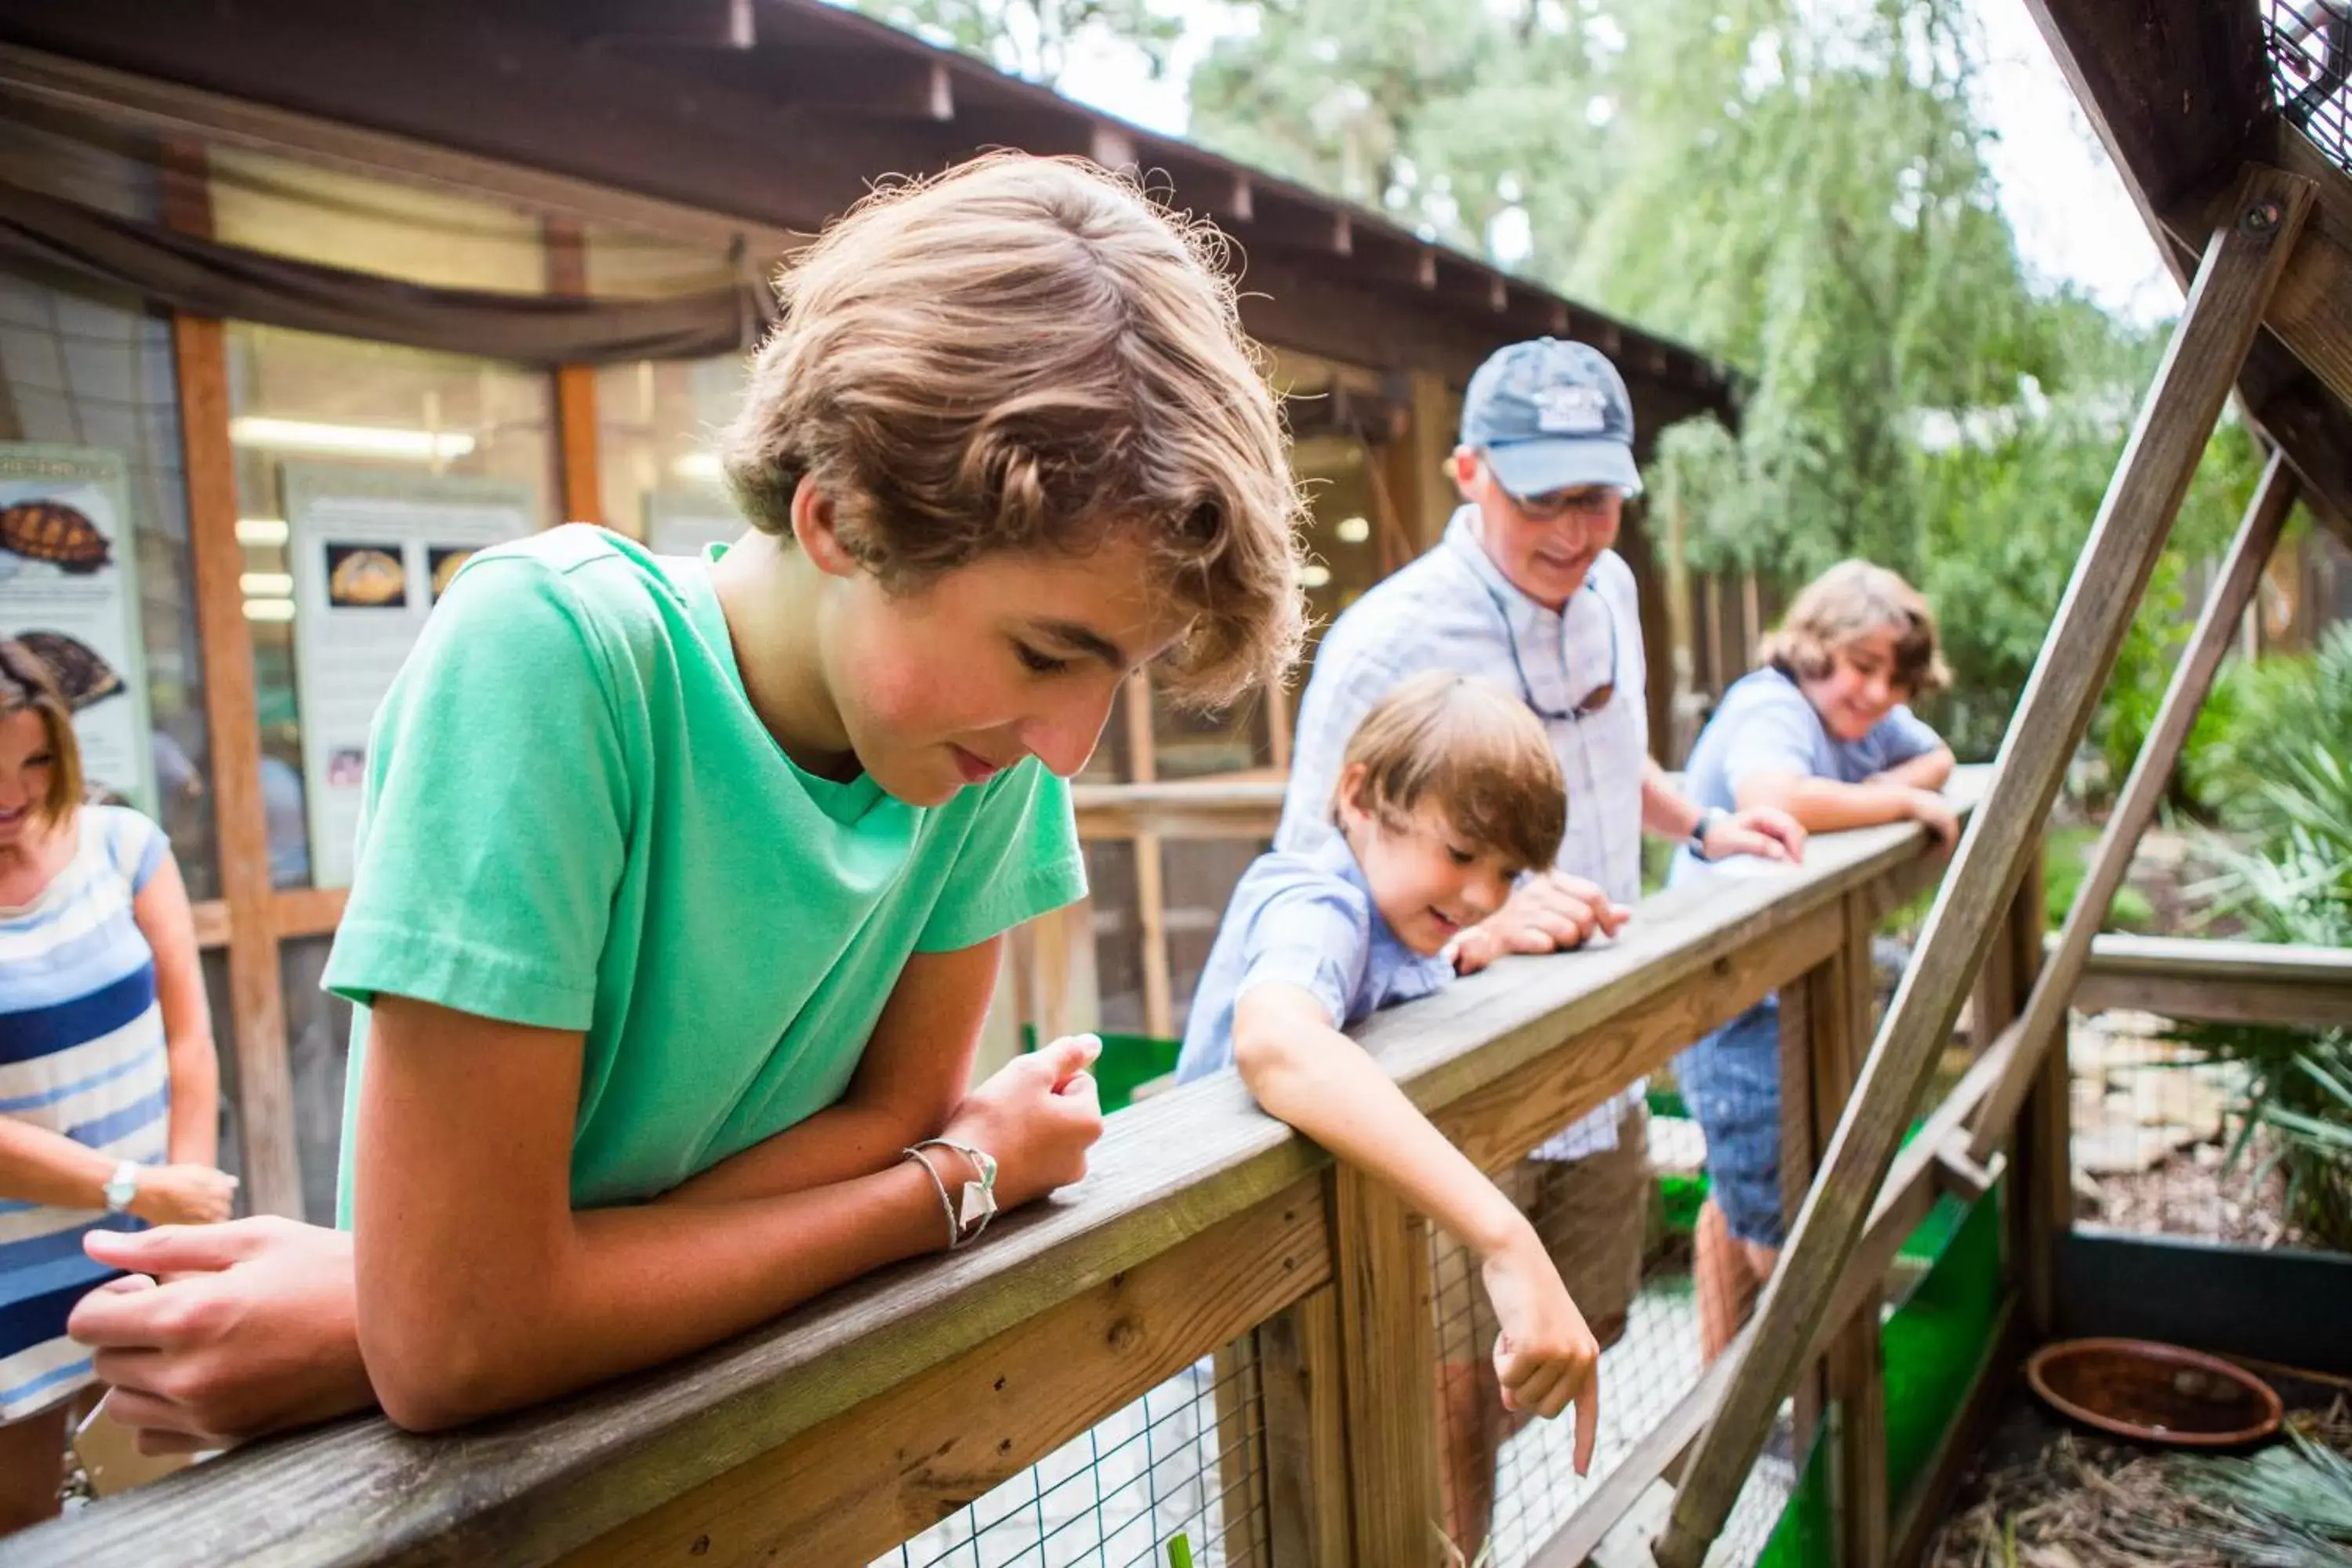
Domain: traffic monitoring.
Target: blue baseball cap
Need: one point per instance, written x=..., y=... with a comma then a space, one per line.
x=1550, y=415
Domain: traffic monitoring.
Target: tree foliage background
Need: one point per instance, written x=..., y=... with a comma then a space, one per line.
x=1797, y=186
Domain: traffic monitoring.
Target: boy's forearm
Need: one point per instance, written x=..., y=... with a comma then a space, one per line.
x=838, y=1143
x=1331, y=1090
x=1928, y=770
x=1826, y=806
x=634, y=1287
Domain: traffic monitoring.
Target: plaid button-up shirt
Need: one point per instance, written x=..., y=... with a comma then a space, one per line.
x=1453, y=609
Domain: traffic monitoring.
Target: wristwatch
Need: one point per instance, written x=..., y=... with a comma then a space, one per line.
x=1712, y=817
x=122, y=1188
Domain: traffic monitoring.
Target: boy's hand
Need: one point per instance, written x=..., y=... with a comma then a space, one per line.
x=251, y=1330
x=1545, y=1356
x=1932, y=811
x=1764, y=831
x=1474, y=950
x=1554, y=913
x=1038, y=1115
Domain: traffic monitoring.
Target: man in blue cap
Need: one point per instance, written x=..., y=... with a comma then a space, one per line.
x=1526, y=590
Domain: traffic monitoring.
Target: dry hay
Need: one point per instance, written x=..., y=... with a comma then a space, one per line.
x=2084, y=1501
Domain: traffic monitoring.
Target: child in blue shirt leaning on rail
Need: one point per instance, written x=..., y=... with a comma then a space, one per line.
x=1823, y=733
x=1448, y=793
x=682, y=882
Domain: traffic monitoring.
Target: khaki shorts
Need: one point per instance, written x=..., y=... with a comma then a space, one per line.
x=1593, y=1216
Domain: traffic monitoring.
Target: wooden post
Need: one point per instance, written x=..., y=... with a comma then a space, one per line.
x=1151, y=890
x=2143, y=792
x=1380, y=1264
x=1802, y=1138
x=1299, y=1370
x=2225, y=311
x=580, y=484
x=1852, y=1370
x=265, y=1084
x=2041, y=1183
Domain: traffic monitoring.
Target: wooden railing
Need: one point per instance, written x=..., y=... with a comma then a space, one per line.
x=1204, y=1228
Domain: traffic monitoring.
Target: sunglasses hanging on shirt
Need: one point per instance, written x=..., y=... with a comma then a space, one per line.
x=1594, y=700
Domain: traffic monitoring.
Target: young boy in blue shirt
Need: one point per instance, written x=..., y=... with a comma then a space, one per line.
x=1449, y=791
x=1821, y=731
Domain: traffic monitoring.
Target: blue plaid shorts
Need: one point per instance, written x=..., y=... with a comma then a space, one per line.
x=1731, y=1081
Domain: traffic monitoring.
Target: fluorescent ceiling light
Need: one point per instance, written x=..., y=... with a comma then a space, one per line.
x=269, y=609
x=1354, y=530
x=261, y=532
x=267, y=584
x=701, y=466
x=356, y=440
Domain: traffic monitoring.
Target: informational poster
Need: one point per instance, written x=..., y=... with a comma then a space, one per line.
x=69, y=591
x=681, y=521
x=371, y=550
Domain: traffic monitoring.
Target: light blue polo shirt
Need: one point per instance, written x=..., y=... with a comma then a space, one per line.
x=1764, y=724
x=1306, y=921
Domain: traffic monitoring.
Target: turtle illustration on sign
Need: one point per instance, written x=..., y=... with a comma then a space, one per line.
x=53, y=532
x=83, y=676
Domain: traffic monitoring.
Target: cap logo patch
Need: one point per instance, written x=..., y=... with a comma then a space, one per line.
x=1572, y=410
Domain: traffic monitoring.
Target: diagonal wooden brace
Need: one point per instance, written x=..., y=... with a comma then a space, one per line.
x=2044, y=1014
x=2241, y=265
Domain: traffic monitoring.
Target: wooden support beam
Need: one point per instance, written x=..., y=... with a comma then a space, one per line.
x=1379, y=1264
x=265, y=1084
x=2241, y=266
x=2143, y=792
x=1301, y=1372
x=1853, y=1369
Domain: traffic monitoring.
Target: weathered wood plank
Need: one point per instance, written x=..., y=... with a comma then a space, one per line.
x=1388, y=1345
x=1500, y=1122
x=848, y=1490
x=1853, y=1367
x=1202, y=808
x=2223, y=981
x=2143, y=792
x=2200, y=365
x=1300, y=1373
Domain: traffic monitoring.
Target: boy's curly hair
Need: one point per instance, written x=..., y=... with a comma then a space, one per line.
x=1845, y=603
x=1029, y=354
x=1475, y=751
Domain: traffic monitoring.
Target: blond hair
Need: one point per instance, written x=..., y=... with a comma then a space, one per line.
x=28, y=684
x=1028, y=354
x=1849, y=602
x=1475, y=751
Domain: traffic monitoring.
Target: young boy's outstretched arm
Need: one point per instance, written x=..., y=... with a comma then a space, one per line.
x=1826, y=806
x=1304, y=1072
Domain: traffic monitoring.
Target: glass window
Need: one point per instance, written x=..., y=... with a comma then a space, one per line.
x=297, y=395
x=656, y=456
x=81, y=367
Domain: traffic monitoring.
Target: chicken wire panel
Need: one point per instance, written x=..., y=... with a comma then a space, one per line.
x=1177, y=1477
x=2310, y=45
x=2160, y=1142
x=1508, y=1482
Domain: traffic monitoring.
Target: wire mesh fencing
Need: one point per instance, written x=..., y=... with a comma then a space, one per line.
x=1176, y=1480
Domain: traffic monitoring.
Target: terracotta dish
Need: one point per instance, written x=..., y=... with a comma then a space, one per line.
x=2155, y=1393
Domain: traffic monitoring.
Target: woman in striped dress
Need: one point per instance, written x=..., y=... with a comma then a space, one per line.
x=110, y=1092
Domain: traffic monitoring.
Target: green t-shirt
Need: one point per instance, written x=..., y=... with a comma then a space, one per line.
x=574, y=819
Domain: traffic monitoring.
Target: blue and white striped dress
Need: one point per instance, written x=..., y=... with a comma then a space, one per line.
x=82, y=1053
